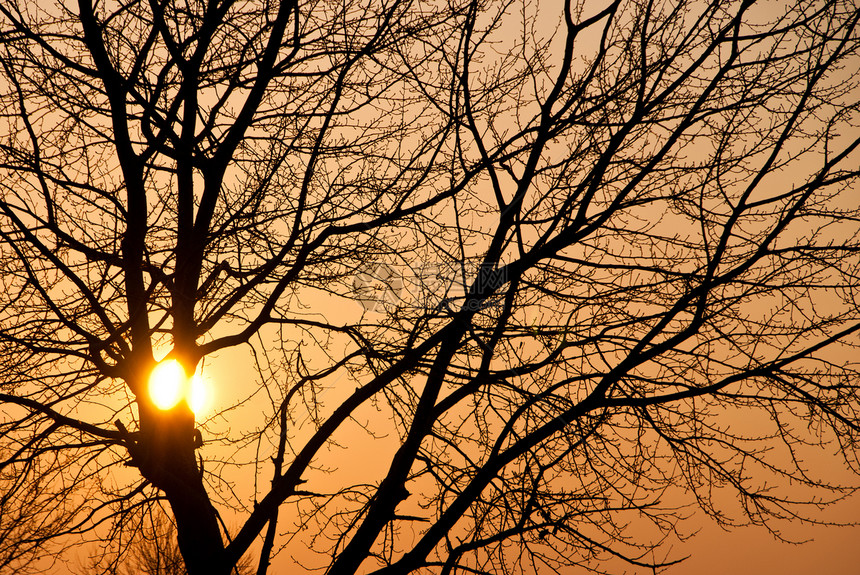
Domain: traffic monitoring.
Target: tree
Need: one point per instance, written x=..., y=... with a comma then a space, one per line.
x=153, y=551
x=603, y=239
x=156, y=552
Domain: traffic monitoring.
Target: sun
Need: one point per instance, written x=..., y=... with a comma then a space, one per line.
x=198, y=395
x=169, y=384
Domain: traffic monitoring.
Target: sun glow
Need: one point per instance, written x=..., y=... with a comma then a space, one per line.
x=168, y=385
x=198, y=395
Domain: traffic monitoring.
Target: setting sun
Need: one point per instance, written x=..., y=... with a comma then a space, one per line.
x=168, y=385
x=198, y=395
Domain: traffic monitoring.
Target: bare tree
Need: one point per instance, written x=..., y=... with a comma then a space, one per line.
x=606, y=256
x=151, y=550
x=156, y=553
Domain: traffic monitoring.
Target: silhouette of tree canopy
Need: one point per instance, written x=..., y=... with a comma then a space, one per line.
x=156, y=552
x=153, y=551
x=552, y=274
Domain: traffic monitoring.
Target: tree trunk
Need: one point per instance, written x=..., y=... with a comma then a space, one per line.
x=165, y=456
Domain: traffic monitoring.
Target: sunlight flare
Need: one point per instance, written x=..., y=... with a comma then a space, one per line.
x=198, y=395
x=167, y=384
